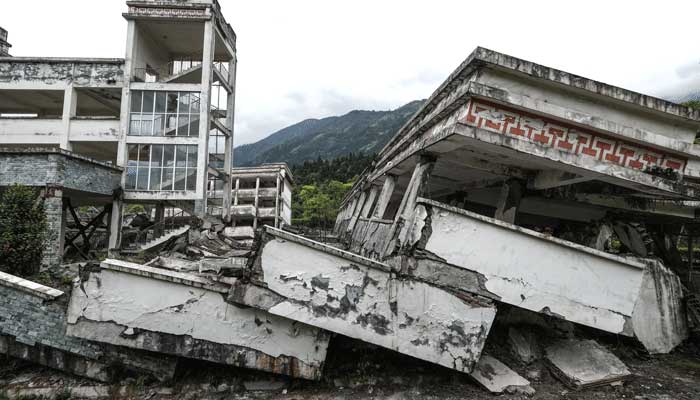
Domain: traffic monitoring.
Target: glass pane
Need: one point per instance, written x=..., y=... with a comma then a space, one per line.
x=131, y=176
x=181, y=156
x=133, y=152
x=167, y=179
x=212, y=144
x=157, y=155
x=160, y=102
x=194, y=124
x=146, y=125
x=170, y=124
x=155, y=179
x=169, y=155
x=142, y=179
x=194, y=102
x=191, y=156
x=172, y=103
x=136, y=101
x=191, y=178
x=148, y=102
x=179, y=178
x=184, y=101
x=183, y=122
x=158, y=124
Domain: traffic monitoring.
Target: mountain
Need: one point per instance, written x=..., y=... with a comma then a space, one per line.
x=358, y=131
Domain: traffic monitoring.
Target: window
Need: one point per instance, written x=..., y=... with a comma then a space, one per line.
x=217, y=146
x=161, y=167
x=159, y=113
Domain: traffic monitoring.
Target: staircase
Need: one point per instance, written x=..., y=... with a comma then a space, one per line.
x=167, y=235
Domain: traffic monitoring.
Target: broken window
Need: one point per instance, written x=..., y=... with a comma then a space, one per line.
x=161, y=167
x=160, y=113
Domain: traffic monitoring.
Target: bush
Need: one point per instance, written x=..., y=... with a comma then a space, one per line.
x=22, y=231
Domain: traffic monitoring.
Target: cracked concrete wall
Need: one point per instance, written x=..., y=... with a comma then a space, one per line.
x=537, y=272
x=33, y=325
x=369, y=237
x=371, y=304
x=149, y=313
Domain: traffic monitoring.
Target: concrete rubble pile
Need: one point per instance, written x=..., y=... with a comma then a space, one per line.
x=520, y=202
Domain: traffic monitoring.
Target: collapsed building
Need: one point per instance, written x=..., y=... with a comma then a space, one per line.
x=517, y=192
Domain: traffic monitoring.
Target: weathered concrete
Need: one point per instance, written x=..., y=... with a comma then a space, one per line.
x=585, y=363
x=496, y=377
x=185, y=315
x=32, y=328
x=659, y=320
x=524, y=344
x=535, y=271
x=354, y=296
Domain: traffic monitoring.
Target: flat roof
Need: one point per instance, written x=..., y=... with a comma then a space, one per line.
x=62, y=60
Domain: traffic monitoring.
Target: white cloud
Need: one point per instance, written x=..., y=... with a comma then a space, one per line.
x=312, y=58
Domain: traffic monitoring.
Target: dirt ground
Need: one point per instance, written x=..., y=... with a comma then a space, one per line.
x=355, y=370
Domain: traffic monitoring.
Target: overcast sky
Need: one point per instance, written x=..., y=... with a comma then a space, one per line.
x=310, y=59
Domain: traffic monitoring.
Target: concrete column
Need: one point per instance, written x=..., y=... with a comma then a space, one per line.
x=370, y=201
x=257, y=192
x=115, y=224
x=70, y=104
x=509, y=201
x=384, y=197
x=204, y=116
x=228, y=151
x=55, y=224
x=356, y=212
x=277, y=201
x=122, y=151
x=404, y=213
x=160, y=217
x=235, y=194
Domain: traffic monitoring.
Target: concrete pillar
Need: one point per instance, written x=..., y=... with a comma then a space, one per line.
x=277, y=201
x=122, y=151
x=70, y=104
x=356, y=212
x=416, y=187
x=55, y=227
x=257, y=192
x=229, y=143
x=370, y=201
x=509, y=201
x=204, y=122
x=384, y=196
x=115, y=224
x=160, y=217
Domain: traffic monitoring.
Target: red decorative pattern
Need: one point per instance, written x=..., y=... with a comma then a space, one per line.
x=572, y=140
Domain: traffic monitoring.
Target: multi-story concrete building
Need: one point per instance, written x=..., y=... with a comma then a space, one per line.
x=4, y=45
x=150, y=118
x=261, y=196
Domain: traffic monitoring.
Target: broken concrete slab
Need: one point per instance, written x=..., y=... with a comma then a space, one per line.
x=496, y=377
x=524, y=344
x=585, y=363
x=659, y=321
x=348, y=294
x=33, y=325
x=152, y=309
x=536, y=271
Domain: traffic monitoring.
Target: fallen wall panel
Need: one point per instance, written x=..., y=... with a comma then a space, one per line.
x=532, y=270
x=344, y=293
x=185, y=315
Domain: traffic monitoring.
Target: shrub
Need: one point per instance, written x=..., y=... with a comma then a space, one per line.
x=22, y=231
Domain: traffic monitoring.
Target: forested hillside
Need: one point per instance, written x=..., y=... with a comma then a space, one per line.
x=358, y=131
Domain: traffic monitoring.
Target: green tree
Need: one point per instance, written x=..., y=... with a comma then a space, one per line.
x=22, y=231
x=692, y=104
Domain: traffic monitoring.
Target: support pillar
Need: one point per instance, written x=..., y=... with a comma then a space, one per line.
x=56, y=227
x=204, y=119
x=257, y=192
x=384, y=196
x=356, y=212
x=115, y=224
x=70, y=103
x=370, y=201
x=160, y=217
x=277, y=201
x=416, y=187
x=509, y=201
